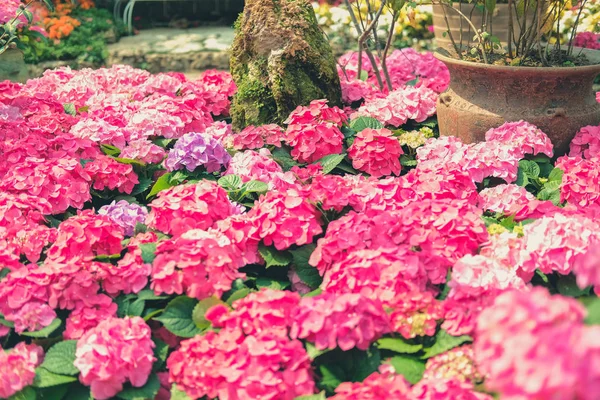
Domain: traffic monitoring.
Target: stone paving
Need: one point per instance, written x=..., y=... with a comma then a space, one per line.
x=169, y=49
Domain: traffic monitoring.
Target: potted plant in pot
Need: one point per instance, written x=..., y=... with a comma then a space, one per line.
x=15, y=34
x=549, y=85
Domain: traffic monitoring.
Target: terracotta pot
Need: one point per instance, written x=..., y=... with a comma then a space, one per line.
x=13, y=67
x=481, y=96
x=456, y=23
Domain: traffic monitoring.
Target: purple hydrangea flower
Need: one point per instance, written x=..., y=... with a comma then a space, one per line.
x=127, y=215
x=195, y=149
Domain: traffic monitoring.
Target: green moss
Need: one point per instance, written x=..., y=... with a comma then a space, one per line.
x=280, y=59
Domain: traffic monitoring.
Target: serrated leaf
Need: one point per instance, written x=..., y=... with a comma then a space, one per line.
x=255, y=186
x=549, y=194
x=556, y=175
x=162, y=183
x=143, y=185
x=274, y=257
x=130, y=161
x=28, y=393
x=306, y=272
x=129, y=307
x=200, y=310
x=177, y=394
x=230, y=182
x=328, y=163
x=283, y=158
x=411, y=368
x=362, y=123
x=46, y=332
x=348, y=132
x=238, y=294
x=70, y=108
x=148, y=294
x=264, y=282
x=318, y=396
x=530, y=168
x=332, y=375
x=444, y=342
x=110, y=150
x=399, y=345
x=161, y=350
x=522, y=179
x=313, y=352
x=148, y=391
x=177, y=317
x=60, y=357
x=148, y=252
x=45, y=378
x=567, y=286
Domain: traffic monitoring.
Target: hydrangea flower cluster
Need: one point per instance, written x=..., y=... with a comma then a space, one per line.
x=185, y=207
x=17, y=368
x=114, y=352
x=376, y=152
x=126, y=215
x=193, y=150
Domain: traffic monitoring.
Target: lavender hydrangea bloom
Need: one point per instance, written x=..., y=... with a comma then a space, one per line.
x=127, y=215
x=195, y=149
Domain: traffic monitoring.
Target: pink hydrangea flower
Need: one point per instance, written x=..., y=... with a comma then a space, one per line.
x=255, y=137
x=376, y=152
x=312, y=142
x=232, y=366
x=399, y=106
x=589, y=40
x=266, y=310
x=585, y=266
x=581, y=181
x=345, y=321
x=384, y=384
x=251, y=165
x=198, y=263
x=17, y=367
x=415, y=314
x=550, y=243
x=524, y=348
x=284, y=219
x=524, y=137
x=586, y=143
x=83, y=317
x=355, y=90
x=192, y=206
x=86, y=236
x=515, y=200
x=107, y=173
x=143, y=150
x=445, y=389
x=457, y=363
x=33, y=316
x=114, y=352
x=315, y=113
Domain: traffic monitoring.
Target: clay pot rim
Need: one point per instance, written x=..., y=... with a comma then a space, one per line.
x=594, y=55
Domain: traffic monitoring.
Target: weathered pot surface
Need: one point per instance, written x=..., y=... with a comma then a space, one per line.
x=558, y=100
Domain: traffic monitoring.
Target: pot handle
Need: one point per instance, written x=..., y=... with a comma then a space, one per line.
x=556, y=112
x=446, y=99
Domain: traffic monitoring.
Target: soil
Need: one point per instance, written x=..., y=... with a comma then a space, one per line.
x=555, y=58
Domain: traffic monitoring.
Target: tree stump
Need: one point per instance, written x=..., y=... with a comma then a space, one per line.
x=280, y=59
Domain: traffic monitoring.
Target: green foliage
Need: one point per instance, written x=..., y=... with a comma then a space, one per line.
x=398, y=345
x=60, y=357
x=177, y=317
x=45, y=378
x=87, y=42
x=410, y=367
x=274, y=257
x=444, y=342
x=148, y=391
x=47, y=331
x=362, y=123
x=307, y=273
x=328, y=163
x=200, y=310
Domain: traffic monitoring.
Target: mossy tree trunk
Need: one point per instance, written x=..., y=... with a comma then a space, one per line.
x=280, y=59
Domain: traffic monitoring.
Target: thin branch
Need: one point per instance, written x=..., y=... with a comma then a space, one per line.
x=475, y=29
x=388, y=44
